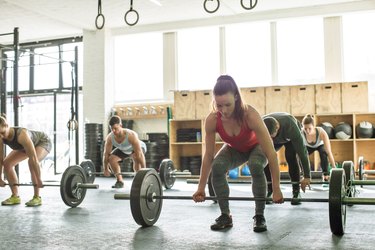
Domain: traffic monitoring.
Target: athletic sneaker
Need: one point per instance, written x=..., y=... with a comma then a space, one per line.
x=296, y=199
x=35, y=201
x=118, y=184
x=223, y=221
x=13, y=200
x=259, y=224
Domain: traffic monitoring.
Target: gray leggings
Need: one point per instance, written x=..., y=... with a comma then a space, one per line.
x=228, y=158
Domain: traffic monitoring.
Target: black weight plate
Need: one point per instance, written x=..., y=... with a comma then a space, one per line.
x=166, y=170
x=145, y=183
x=337, y=210
x=360, y=168
x=89, y=168
x=348, y=167
x=70, y=194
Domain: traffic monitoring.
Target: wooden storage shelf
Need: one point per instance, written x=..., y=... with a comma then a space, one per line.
x=343, y=150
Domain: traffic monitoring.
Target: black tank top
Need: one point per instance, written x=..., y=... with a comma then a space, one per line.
x=13, y=144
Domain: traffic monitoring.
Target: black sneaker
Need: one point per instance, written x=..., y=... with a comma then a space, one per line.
x=259, y=224
x=118, y=184
x=223, y=221
x=269, y=196
x=296, y=199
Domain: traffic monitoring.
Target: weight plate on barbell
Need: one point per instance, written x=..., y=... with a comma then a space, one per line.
x=146, y=183
x=70, y=193
x=89, y=169
x=166, y=170
x=348, y=167
x=337, y=210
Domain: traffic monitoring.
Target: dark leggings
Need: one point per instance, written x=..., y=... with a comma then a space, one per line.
x=293, y=166
x=323, y=158
x=228, y=158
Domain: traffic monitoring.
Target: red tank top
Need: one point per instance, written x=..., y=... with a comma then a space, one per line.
x=243, y=142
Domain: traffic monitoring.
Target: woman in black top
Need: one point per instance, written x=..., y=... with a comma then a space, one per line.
x=25, y=144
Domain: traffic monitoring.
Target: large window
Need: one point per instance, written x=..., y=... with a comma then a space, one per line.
x=138, y=63
x=300, y=46
x=198, y=58
x=23, y=70
x=68, y=55
x=248, y=53
x=46, y=61
x=359, y=51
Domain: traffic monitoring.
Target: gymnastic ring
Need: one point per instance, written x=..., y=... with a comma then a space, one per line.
x=136, y=20
x=72, y=125
x=211, y=11
x=97, y=21
x=251, y=5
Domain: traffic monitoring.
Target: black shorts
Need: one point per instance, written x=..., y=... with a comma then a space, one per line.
x=119, y=153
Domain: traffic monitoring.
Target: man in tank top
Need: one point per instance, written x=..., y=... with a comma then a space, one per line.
x=122, y=143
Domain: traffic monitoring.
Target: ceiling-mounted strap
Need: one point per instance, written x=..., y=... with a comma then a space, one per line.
x=129, y=12
x=252, y=5
x=100, y=20
x=211, y=11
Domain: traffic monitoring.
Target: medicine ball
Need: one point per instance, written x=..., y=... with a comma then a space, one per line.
x=365, y=130
x=328, y=128
x=233, y=173
x=343, y=131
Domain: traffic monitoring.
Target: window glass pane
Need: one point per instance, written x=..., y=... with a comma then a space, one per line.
x=300, y=46
x=46, y=68
x=23, y=71
x=359, y=51
x=68, y=55
x=248, y=54
x=198, y=58
x=138, y=67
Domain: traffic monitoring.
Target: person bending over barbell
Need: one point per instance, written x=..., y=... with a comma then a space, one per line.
x=285, y=130
x=26, y=144
x=122, y=143
x=316, y=139
x=246, y=140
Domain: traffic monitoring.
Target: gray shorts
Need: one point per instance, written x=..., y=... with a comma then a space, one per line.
x=44, y=142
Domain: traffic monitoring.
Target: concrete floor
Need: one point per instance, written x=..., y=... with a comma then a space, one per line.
x=101, y=222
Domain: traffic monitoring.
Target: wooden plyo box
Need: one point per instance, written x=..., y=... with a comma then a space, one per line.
x=328, y=98
x=277, y=99
x=302, y=99
x=203, y=103
x=184, y=105
x=354, y=97
x=255, y=97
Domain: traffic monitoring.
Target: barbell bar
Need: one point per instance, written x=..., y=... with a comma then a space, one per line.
x=146, y=197
x=167, y=172
x=79, y=185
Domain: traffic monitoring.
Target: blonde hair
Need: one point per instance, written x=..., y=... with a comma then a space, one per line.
x=3, y=120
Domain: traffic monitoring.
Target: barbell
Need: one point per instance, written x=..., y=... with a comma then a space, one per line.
x=146, y=197
x=73, y=185
x=167, y=172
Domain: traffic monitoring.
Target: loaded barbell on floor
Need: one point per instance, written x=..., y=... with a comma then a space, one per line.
x=167, y=172
x=146, y=197
x=73, y=186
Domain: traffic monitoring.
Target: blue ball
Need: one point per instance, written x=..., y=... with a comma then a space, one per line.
x=245, y=171
x=233, y=173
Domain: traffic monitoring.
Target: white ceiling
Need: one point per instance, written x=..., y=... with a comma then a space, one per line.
x=49, y=19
